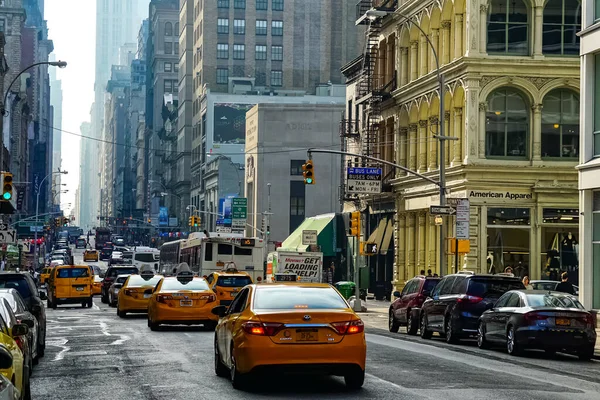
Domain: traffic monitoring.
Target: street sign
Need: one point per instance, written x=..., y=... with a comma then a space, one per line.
x=441, y=210
x=309, y=237
x=438, y=220
x=8, y=236
x=463, y=214
x=363, y=180
x=239, y=213
x=3, y=227
x=223, y=229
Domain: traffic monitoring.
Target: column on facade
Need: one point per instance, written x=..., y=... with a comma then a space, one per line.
x=388, y=147
x=423, y=67
x=410, y=245
x=435, y=40
x=422, y=144
x=448, y=144
x=403, y=147
x=391, y=49
x=400, y=247
x=433, y=145
x=414, y=53
x=482, y=116
x=403, y=66
x=380, y=64
x=471, y=120
x=483, y=28
x=538, y=27
x=458, y=36
x=421, y=240
x=412, y=146
x=537, y=132
x=433, y=244
x=458, y=132
x=445, y=42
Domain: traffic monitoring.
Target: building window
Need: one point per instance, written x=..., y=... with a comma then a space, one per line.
x=222, y=3
x=508, y=233
x=297, y=203
x=168, y=67
x=176, y=67
x=222, y=50
x=222, y=75
x=2, y=25
x=507, y=121
x=168, y=29
x=239, y=27
x=507, y=29
x=239, y=51
x=562, y=21
x=222, y=25
x=560, y=124
x=596, y=10
x=261, y=27
x=240, y=4
x=277, y=5
x=296, y=167
x=277, y=53
x=261, y=52
x=262, y=4
x=596, y=104
x=176, y=47
x=168, y=47
x=276, y=78
x=277, y=28
x=168, y=86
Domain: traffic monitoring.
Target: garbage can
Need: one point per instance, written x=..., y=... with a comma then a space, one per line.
x=346, y=288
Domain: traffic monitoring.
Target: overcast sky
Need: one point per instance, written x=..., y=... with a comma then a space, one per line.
x=72, y=28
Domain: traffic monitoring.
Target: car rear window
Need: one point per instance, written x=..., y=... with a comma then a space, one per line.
x=144, y=257
x=233, y=281
x=430, y=284
x=553, y=300
x=121, y=279
x=481, y=287
x=293, y=298
x=174, y=284
x=544, y=285
x=73, y=273
x=138, y=281
x=16, y=282
x=121, y=271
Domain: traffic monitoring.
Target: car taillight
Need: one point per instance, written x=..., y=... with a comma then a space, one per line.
x=588, y=319
x=348, y=327
x=469, y=299
x=162, y=298
x=129, y=292
x=262, y=329
x=535, y=316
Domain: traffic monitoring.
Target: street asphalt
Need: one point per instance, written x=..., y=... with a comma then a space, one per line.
x=93, y=354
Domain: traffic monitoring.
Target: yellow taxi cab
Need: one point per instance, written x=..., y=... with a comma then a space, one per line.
x=132, y=296
x=289, y=327
x=184, y=299
x=69, y=284
x=90, y=255
x=97, y=285
x=226, y=284
x=45, y=275
x=17, y=371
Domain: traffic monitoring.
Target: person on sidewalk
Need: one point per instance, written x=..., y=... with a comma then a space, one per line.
x=565, y=286
x=527, y=283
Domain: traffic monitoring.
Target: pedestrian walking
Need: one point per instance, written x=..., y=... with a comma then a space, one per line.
x=565, y=286
x=429, y=273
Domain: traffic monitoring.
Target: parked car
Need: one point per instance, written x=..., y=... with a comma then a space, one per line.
x=111, y=274
x=549, y=285
x=405, y=310
x=16, y=331
x=113, y=290
x=17, y=305
x=8, y=390
x=457, y=302
x=538, y=319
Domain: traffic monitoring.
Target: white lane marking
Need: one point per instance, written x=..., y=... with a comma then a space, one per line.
x=123, y=339
x=88, y=353
x=95, y=306
x=394, y=385
x=59, y=342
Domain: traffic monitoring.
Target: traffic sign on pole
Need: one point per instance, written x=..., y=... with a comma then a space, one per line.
x=363, y=180
x=441, y=210
x=239, y=213
x=463, y=214
x=309, y=237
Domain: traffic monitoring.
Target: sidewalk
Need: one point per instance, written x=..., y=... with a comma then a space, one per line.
x=376, y=316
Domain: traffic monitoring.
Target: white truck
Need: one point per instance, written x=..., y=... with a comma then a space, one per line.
x=307, y=266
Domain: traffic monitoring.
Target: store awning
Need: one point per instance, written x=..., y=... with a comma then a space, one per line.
x=387, y=237
x=377, y=234
x=325, y=235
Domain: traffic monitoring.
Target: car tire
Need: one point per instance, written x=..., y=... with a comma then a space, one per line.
x=512, y=346
x=355, y=379
x=83, y=304
x=221, y=369
x=451, y=335
x=393, y=325
x=412, y=327
x=586, y=353
x=238, y=380
x=104, y=297
x=482, y=342
x=27, y=392
x=210, y=326
x=152, y=325
x=41, y=349
x=90, y=302
x=121, y=314
x=425, y=333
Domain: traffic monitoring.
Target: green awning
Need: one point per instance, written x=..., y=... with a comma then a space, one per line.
x=325, y=231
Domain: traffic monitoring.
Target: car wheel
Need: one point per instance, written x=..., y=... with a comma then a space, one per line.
x=411, y=325
x=220, y=368
x=90, y=302
x=513, y=348
x=152, y=325
x=41, y=349
x=355, y=379
x=104, y=297
x=425, y=333
x=83, y=304
x=238, y=380
x=393, y=325
x=451, y=336
x=586, y=353
x=482, y=342
x=121, y=314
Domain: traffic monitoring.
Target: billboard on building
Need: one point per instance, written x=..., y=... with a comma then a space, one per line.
x=230, y=123
x=163, y=216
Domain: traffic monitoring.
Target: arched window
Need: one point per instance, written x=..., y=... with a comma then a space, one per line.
x=508, y=27
x=560, y=124
x=168, y=29
x=562, y=21
x=507, y=124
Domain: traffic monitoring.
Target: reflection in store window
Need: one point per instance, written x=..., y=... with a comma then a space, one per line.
x=560, y=248
x=508, y=240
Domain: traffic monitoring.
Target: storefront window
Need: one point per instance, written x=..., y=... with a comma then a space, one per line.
x=508, y=239
x=560, y=246
x=596, y=251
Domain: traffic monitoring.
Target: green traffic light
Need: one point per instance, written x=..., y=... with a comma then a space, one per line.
x=6, y=196
x=195, y=225
x=309, y=180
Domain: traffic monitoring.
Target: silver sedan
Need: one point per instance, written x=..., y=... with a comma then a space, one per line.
x=113, y=290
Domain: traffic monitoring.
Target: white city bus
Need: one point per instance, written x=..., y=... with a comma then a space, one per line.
x=170, y=256
x=145, y=255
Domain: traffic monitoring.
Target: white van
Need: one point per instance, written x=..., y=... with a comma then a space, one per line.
x=145, y=255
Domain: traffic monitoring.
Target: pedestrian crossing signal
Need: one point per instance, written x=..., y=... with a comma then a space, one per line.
x=370, y=249
x=308, y=173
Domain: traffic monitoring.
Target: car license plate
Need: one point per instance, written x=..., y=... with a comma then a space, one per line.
x=79, y=289
x=233, y=294
x=185, y=303
x=307, y=335
x=563, y=321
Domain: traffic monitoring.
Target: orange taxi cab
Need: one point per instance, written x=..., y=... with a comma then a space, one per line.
x=132, y=296
x=45, y=274
x=287, y=327
x=184, y=299
x=90, y=255
x=70, y=284
x=226, y=284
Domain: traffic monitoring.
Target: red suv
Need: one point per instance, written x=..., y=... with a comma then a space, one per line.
x=405, y=309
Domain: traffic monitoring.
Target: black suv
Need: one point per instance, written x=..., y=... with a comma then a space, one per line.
x=23, y=283
x=111, y=274
x=455, y=305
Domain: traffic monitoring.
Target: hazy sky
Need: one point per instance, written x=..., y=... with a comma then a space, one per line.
x=72, y=28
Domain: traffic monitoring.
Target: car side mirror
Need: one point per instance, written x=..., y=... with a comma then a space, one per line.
x=20, y=330
x=219, y=311
x=30, y=324
x=6, y=359
x=43, y=295
x=36, y=308
x=396, y=294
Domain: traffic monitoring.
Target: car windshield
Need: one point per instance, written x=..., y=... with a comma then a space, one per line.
x=553, y=300
x=544, y=285
x=122, y=271
x=233, y=281
x=494, y=288
x=174, y=284
x=293, y=298
x=16, y=282
x=144, y=257
x=138, y=281
x=73, y=273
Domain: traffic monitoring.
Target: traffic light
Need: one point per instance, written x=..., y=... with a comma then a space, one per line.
x=191, y=221
x=370, y=249
x=196, y=221
x=65, y=221
x=57, y=221
x=7, y=186
x=354, y=224
x=308, y=173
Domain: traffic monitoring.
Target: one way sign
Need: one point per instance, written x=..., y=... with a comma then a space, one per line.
x=8, y=236
x=441, y=210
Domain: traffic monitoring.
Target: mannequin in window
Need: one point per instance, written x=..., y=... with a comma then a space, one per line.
x=552, y=265
x=569, y=258
x=490, y=263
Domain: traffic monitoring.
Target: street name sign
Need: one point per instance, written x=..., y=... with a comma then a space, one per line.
x=363, y=180
x=463, y=214
x=441, y=210
x=8, y=236
x=309, y=237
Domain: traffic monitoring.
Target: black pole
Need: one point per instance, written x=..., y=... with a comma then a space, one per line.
x=456, y=256
x=20, y=247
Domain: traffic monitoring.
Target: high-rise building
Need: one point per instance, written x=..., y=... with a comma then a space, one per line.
x=56, y=99
x=87, y=173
